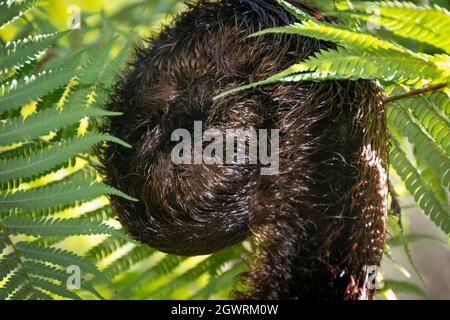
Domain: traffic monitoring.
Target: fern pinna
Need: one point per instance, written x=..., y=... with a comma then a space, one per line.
x=50, y=191
x=41, y=175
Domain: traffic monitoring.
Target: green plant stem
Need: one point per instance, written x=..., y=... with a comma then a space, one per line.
x=16, y=254
x=416, y=92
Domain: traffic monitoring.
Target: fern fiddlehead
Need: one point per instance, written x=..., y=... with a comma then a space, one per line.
x=319, y=222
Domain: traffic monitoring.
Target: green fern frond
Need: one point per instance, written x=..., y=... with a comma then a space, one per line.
x=58, y=194
x=422, y=23
x=404, y=287
x=339, y=34
x=132, y=257
x=417, y=188
x=34, y=269
x=441, y=103
x=380, y=64
x=22, y=293
x=105, y=248
x=44, y=160
x=2, y=243
x=162, y=268
x=343, y=63
x=7, y=264
x=40, y=295
x=100, y=215
x=48, y=286
x=48, y=227
x=442, y=62
x=51, y=272
x=221, y=282
x=397, y=241
x=117, y=63
x=94, y=67
x=359, y=55
x=431, y=179
x=10, y=11
x=30, y=275
x=407, y=251
x=75, y=61
x=11, y=285
x=400, y=118
x=300, y=15
x=45, y=121
x=210, y=265
x=282, y=76
x=16, y=93
x=57, y=257
x=436, y=127
x=16, y=53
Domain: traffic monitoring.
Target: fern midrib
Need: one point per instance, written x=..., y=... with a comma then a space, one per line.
x=64, y=117
x=407, y=21
x=36, y=163
x=60, y=194
x=436, y=110
x=407, y=250
x=423, y=130
x=330, y=32
x=402, y=60
x=55, y=155
x=17, y=255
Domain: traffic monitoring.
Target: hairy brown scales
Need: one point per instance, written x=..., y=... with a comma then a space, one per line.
x=320, y=221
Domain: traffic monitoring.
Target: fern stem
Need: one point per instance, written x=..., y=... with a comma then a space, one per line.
x=416, y=92
x=17, y=255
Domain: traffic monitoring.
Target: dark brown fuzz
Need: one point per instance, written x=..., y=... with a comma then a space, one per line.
x=320, y=221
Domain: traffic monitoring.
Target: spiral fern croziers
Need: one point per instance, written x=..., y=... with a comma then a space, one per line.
x=320, y=221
